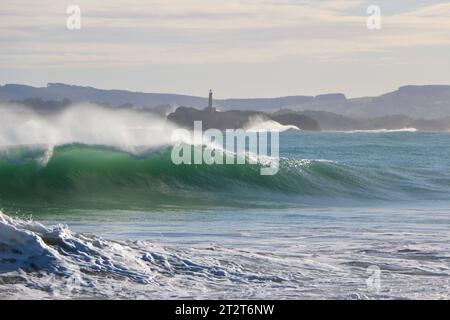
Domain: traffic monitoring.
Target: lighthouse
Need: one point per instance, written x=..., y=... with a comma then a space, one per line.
x=210, y=102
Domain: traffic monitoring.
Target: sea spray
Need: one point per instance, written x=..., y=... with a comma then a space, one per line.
x=86, y=124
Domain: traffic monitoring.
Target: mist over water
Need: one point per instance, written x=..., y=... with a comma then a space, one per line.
x=85, y=124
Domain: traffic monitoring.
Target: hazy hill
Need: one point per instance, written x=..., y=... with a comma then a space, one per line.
x=57, y=91
x=426, y=102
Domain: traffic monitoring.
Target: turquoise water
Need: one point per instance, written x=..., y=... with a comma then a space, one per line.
x=341, y=205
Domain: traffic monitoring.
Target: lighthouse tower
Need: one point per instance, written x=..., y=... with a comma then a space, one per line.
x=210, y=102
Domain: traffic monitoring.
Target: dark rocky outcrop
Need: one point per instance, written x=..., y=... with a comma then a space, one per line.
x=185, y=117
x=236, y=119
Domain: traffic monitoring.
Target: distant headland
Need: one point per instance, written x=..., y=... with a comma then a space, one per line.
x=425, y=108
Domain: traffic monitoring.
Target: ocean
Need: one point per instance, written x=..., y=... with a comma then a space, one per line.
x=357, y=215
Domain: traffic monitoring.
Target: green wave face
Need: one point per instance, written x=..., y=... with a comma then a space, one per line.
x=79, y=176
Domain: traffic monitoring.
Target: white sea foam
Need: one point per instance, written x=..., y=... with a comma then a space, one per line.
x=53, y=262
x=258, y=123
x=38, y=261
x=51, y=259
x=383, y=130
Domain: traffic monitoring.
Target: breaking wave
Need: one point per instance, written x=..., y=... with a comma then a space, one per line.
x=90, y=156
x=105, y=177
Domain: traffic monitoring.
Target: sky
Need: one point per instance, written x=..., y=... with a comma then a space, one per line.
x=239, y=48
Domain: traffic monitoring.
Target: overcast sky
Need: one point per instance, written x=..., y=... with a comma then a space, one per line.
x=239, y=48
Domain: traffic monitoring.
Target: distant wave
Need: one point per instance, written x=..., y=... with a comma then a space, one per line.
x=383, y=130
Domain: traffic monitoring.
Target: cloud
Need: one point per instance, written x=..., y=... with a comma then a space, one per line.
x=137, y=32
